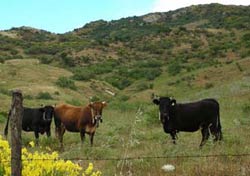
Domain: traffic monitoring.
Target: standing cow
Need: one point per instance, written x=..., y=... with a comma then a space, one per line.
x=78, y=119
x=190, y=117
x=35, y=119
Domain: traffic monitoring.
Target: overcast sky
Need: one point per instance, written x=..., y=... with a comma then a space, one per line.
x=61, y=16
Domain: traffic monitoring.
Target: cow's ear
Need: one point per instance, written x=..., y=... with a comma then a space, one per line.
x=173, y=102
x=104, y=103
x=156, y=101
x=91, y=104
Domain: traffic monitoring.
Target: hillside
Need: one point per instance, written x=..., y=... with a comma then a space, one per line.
x=127, y=57
x=125, y=51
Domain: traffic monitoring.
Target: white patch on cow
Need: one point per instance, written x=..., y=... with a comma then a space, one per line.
x=168, y=167
x=44, y=116
x=92, y=116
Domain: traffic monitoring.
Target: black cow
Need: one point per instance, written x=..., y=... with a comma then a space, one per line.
x=190, y=117
x=35, y=119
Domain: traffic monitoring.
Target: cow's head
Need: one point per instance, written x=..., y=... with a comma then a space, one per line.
x=165, y=105
x=96, y=109
x=48, y=112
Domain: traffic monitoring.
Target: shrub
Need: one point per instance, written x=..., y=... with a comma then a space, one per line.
x=246, y=108
x=119, y=82
x=68, y=61
x=28, y=97
x=42, y=163
x=174, y=68
x=45, y=59
x=44, y=95
x=82, y=74
x=140, y=73
x=65, y=82
x=209, y=85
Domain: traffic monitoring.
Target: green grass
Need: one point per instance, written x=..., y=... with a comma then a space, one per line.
x=127, y=133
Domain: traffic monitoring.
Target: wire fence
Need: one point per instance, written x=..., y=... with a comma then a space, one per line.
x=140, y=157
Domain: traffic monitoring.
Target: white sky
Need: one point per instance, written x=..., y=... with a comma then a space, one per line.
x=166, y=5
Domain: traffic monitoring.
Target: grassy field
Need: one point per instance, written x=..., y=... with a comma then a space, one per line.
x=131, y=129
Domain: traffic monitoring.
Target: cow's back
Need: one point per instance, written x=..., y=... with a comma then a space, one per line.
x=190, y=116
x=30, y=118
x=70, y=116
x=205, y=106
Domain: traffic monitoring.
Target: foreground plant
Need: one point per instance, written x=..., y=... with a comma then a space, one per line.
x=42, y=164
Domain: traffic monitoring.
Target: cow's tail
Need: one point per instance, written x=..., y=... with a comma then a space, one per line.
x=7, y=124
x=219, y=132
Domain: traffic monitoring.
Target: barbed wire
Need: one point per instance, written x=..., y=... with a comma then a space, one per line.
x=137, y=158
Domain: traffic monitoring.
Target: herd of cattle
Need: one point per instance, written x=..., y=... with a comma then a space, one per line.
x=175, y=117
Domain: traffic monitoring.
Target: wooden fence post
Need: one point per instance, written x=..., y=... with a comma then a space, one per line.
x=16, y=127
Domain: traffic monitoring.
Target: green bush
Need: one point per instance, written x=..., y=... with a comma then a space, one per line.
x=28, y=97
x=65, y=82
x=119, y=82
x=45, y=59
x=44, y=95
x=82, y=74
x=140, y=73
x=209, y=85
x=174, y=68
x=246, y=108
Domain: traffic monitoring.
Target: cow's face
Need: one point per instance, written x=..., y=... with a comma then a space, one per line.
x=48, y=112
x=96, y=108
x=165, y=104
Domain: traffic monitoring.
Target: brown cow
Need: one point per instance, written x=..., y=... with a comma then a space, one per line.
x=78, y=119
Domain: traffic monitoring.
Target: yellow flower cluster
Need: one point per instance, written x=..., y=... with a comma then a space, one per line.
x=41, y=164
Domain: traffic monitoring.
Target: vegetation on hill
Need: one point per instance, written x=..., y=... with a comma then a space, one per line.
x=122, y=51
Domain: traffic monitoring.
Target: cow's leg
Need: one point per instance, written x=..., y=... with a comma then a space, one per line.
x=205, y=135
x=216, y=132
x=61, y=133
x=92, y=138
x=173, y=135
x=36, y=136
x=48, y=133
x=82, y=134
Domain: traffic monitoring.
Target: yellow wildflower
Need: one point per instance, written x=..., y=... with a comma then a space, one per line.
x=31, y=143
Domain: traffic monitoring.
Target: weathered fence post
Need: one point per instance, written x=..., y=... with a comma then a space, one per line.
x=16, y=127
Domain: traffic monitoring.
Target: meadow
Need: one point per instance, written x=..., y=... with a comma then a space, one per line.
x=131, y=141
